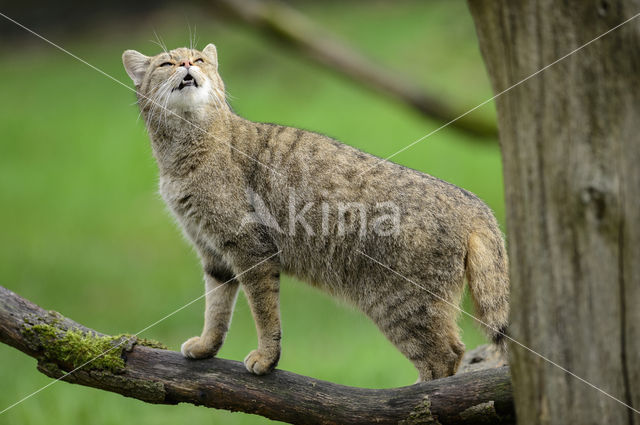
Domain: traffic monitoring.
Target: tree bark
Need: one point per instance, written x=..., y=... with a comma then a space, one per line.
x=298, y=32
x=161, y=376
x=570, y=146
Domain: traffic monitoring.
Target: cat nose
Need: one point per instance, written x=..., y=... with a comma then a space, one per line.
x=186, y=64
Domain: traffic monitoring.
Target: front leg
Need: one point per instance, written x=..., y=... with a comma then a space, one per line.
x=221, y=292
x=262, y=288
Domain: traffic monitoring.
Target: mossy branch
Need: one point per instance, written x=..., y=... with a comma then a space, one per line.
x=145, y=370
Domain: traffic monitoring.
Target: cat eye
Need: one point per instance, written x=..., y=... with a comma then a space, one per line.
x=166, y=64
x=199, y=60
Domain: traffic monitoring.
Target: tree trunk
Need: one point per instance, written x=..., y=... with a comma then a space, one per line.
x=571, y=158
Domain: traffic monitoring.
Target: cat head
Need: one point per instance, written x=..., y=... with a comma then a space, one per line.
x=181, y=82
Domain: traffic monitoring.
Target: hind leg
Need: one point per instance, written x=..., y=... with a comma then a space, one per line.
x=443, y=354
x=427, y=334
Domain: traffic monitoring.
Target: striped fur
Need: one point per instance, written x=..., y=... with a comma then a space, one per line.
x=217, y=169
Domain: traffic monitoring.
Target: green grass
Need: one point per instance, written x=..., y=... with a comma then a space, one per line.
x=85, y=233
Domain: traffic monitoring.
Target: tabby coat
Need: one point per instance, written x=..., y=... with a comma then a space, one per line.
x=259, y=199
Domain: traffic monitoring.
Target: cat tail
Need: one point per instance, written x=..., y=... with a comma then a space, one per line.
x=488, y=276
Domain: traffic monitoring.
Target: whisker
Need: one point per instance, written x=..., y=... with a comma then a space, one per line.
x=195, y=37
x=156, y=43
x=160, y=99
x=229, y=95
x=160, y=42
x=153, y=97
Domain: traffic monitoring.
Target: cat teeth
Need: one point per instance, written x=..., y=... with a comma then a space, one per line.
x=188, y=81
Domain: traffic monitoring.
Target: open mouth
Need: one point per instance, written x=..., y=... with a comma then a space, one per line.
x=188, y=81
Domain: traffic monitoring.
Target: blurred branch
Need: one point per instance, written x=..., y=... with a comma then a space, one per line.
x=165, y=377
x=299, y=32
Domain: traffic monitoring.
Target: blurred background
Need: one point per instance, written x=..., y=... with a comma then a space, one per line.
x=84, y=231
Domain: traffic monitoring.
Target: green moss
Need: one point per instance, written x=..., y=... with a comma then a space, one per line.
x=421, y=414
x=151, y=343
x=74, y=348
x=483, y=413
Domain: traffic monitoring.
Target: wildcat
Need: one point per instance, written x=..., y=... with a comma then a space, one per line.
x=258, y=199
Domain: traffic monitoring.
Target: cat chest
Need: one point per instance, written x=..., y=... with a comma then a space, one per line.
x=181, y=199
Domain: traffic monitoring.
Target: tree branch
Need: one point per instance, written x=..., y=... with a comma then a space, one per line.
x=300, y=33
x=135, y=369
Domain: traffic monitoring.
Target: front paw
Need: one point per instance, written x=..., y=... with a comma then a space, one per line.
x=260, y=362
x=198, y=348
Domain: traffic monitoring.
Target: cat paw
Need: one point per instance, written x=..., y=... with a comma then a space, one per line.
x=260, y=362
x=198, y=348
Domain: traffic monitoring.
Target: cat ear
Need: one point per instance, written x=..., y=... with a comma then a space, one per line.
x=136, y=64
x=211, y=53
